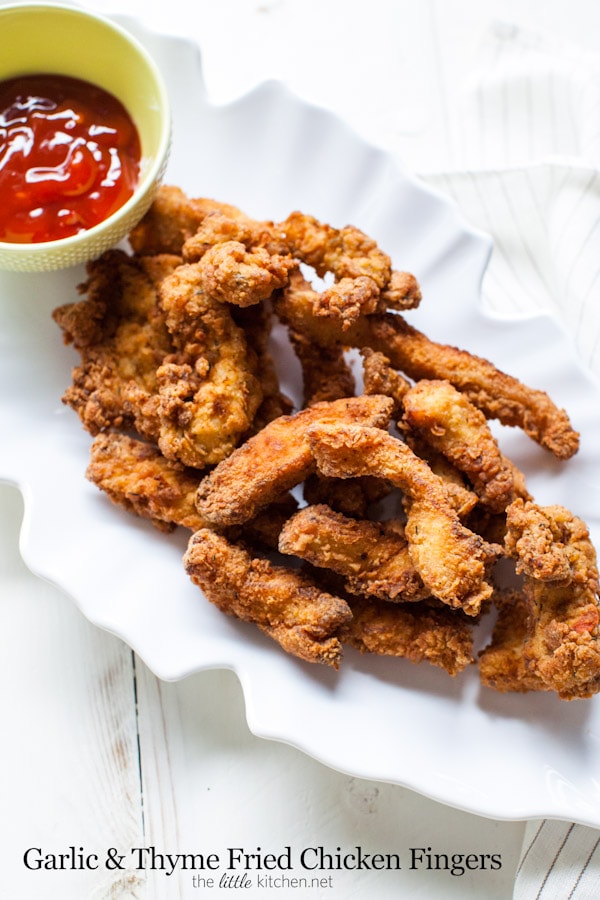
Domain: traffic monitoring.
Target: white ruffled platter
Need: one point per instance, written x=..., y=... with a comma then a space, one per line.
x=504, y=756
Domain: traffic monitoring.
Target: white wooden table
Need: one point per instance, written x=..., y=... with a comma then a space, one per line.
x=96, y=752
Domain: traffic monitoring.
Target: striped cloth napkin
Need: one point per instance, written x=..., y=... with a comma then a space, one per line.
x=524, y=148
x=523, y=143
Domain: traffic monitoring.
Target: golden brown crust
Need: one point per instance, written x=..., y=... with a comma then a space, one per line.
x=136, y=476
x=285, y=604
x=121, y=335
x=372, y=557
x=548, y=634
x=380, y=378
x=173, y=218
x=498, y=395
x=450, y=559
x=446, y=419
x=418, y=633
x=276, y=459
x=326, y=374
x=346, y=252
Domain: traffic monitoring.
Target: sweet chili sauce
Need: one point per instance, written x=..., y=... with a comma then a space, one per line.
x=69, y=157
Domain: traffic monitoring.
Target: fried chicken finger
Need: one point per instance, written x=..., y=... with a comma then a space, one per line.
x=418, y=632
x=498, y=395
x=372, y=557
x=450, y=559
x=276, y=459
x=547, y=636
x=283, y=603
x=447, y=420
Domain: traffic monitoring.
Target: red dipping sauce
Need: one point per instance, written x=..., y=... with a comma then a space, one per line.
x=69, y=157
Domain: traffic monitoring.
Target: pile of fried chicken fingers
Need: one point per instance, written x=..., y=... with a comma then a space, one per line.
x=371, y=516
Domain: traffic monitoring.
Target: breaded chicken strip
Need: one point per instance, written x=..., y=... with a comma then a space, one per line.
x=285, y=604
x=547, y=635
x=372, y=557
x=277, y=459
x=498, y=395
x=326, y=374
x=161, y=358
x=380, y=378
x=208, y=390
x=450, y=559
x=447, y=420
x=172, y=218
x=345, y=252
x=121, y=335
x=418, y=632
x=136, y=476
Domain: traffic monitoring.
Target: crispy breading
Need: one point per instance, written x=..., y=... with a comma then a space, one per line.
x=499, y=395
x=462, y=498
x=284, y=603
x=326, y=374
x=372, y=557
x=447, y=420
x=347, y=299
x=346, y=252
x=256, y=323
x=401, y=292
x=380, y=378
x=546, y=542
x=547, y=636
x=208, y=391
x=218, y=228
x=136, y=476
x=451, y=560
x=276, y=459
x=232, y=274
x=121, y=335
x=173, y=218
x=418, y=632
x=351, y=497
x=160, y=358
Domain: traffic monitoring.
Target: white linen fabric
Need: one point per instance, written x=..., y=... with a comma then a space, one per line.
x=524, y=146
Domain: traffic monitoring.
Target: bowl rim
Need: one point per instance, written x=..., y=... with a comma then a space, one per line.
x=149, y=176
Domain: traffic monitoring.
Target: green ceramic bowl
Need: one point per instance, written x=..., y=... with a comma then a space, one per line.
x=69, y=41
